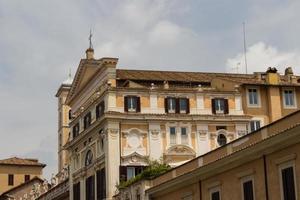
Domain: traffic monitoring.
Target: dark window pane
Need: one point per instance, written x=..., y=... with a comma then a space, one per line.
x=248, y=190
x=26, y=178
x=215, y=196
x=288, y=184
x=10, y=179
x=222, y=140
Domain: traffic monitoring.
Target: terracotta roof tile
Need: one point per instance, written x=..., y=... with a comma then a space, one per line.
x=21, y=161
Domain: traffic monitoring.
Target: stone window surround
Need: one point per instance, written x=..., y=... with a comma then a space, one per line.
x=283, y=98
x=178, y=126
x=258, y=105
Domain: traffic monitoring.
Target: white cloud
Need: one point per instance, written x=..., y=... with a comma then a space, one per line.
x=261, y=56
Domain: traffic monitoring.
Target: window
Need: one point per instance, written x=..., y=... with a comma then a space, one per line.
x=177, y=105
x=130, y=172
x=220, y=106
x=184, y=136
x=75, y=130
x=70, y=114
x=248, y=192
x=26, y=178
x=172, y=135
x=99, y=110
x=101, y=185
x=222, y=140
x=183, y=105
x=88, y=158
x=253, y=97
x=87, y=120
x=10, y=179
x=171, y=102
x=288, y=183
x=132, y=104
x=90, y=188
x=215, y=195
x=289, y=98
x=254, y=125
x=76, y=191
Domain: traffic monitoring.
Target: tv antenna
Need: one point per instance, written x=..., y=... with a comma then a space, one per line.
x=245, y=47
x=90, y=39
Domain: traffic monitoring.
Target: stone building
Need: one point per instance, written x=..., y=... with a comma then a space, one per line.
x=15, y=171
x=121, y=118
x=264, y=164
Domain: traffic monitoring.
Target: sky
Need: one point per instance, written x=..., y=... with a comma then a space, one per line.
x=40, y=41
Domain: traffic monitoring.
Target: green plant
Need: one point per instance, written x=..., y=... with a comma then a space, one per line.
x=153, y=170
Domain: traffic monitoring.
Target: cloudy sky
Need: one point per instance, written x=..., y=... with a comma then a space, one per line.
x=41, y=40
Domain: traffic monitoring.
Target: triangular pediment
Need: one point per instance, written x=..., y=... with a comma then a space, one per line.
x=85, y=72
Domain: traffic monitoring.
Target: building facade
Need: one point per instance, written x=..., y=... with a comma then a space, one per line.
x=15, y=171
x=119, y=119
x=262, y=165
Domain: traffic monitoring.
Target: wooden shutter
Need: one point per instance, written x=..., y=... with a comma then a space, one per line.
x=126, y=104
x=226, y=108
x=138, y=104
x=166, y=105
x=123, y=173
x=187, y=105
x=177, y=107
x=213, y=106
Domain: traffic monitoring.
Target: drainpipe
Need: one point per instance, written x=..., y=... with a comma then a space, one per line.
x=266, y=178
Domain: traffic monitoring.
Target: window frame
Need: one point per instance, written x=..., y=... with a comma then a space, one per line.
x=244, y=180
x=175, y=135
x=255, y=120
x=283, y=166
x=213, y=190
x=169, y=99
x=133, y=170
x=186, y=135
x=10, y=180
x=258, y=105
x=26, y=178
x=294, y=98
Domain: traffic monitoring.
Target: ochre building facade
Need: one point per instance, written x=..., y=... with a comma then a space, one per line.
x=115, y=120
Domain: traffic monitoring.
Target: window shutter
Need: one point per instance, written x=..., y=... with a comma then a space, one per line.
x=226, y=108
x=97, y=111
x=103, y=107
x=123, y=173
x=166, y=104
x=126, y=104
x=187, y=105
x=213, y=106
x=138, y=104
x=177, y=107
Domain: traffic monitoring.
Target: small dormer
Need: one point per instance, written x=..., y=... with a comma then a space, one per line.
x=272, y=77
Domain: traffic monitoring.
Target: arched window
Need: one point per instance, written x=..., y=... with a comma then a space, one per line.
x=222, y=140
x=88, y=158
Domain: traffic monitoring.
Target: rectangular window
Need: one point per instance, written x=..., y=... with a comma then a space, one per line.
x=172, y=135
x=248, y=190
x=183, y=105
x=130, y=172
x=132, y=104
x=87, y=120
x=252, y=96
x=254, y=125
x=76, y=191
x=90, y=188
x=171, y=105
x=184, y=136
x=75, y=130
x=10, y=179
x=101, y=185
x=99, y=110
x=289, y=98
x=26, y=178
x=220, y=106
x=288, y=183
x=215, y=195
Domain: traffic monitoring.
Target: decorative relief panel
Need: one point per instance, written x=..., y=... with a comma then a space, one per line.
x=134, y=142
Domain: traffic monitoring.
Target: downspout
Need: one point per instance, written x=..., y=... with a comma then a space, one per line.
x=266, y=178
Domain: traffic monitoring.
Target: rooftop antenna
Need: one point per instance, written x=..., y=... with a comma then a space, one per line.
x=245, y=48
x=90, y=39
x=237, y=67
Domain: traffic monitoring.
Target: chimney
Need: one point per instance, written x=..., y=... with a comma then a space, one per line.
x=272, y=76
x=89, y=53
